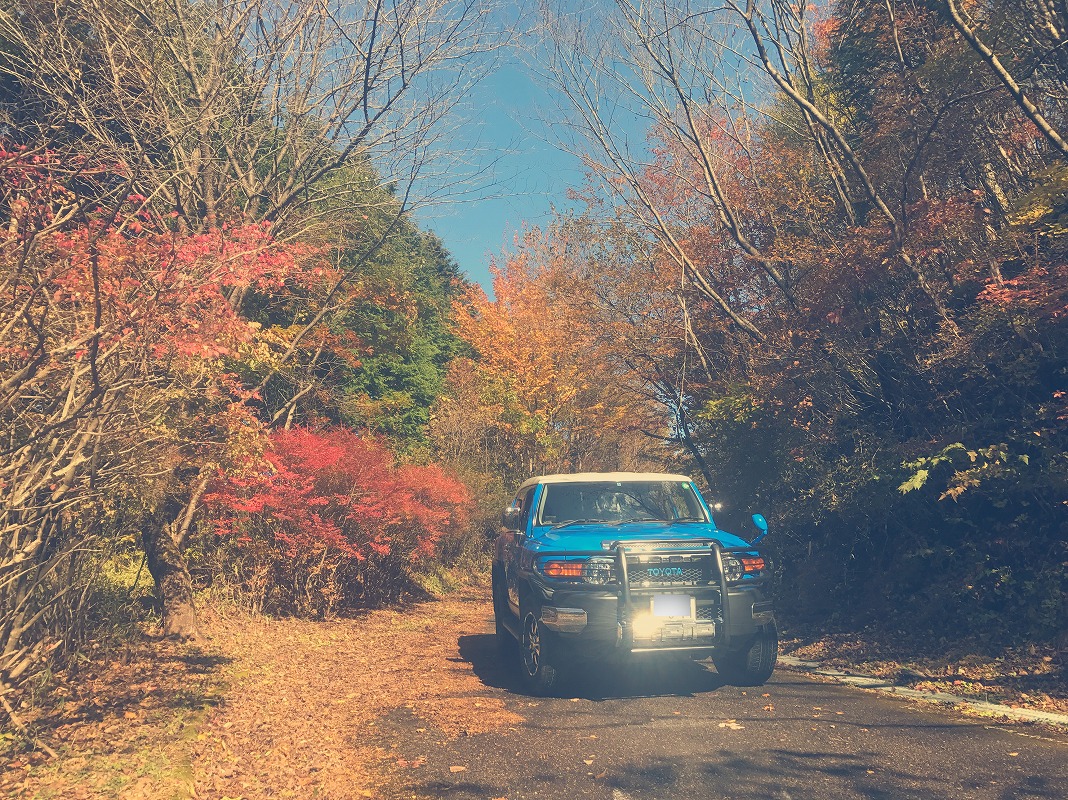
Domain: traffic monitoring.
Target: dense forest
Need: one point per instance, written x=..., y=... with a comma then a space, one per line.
x=222, y=333
x=830, y=281
x=828, y=277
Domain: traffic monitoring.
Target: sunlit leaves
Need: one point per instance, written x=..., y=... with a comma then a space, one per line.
x=333, y=518
x=542, y=392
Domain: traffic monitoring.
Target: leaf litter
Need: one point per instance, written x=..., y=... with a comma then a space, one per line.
x=261, y=708
x=1028, y=676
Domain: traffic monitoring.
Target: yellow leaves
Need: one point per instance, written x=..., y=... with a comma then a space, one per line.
x=541, y=374
x=737, y=407
x=1044, y=205
x=916, y=481
x=962, y=482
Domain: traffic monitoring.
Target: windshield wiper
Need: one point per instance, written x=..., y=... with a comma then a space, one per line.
x=574, y=522
x=688, y=519
x=636, y=519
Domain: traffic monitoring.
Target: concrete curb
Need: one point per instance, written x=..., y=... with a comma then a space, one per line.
x=881, y=685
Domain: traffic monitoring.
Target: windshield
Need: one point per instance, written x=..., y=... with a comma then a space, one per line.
x=618, y=502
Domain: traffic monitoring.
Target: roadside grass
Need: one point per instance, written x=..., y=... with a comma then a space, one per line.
x=466, y=568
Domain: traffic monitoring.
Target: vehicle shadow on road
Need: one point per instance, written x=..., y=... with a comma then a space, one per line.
x=641, y=676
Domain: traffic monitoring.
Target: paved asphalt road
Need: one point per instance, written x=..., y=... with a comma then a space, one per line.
x=673, y=730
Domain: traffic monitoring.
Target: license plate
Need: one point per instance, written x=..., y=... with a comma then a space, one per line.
x=672, y=605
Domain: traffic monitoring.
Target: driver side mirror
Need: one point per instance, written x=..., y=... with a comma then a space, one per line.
x=762, y=525
x=510, y=518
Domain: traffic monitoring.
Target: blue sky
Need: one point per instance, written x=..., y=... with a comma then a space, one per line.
x=531, y=174
x=503, y=124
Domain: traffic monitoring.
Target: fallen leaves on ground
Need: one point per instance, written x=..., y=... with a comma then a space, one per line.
x=123, y=724
x=283, y=717
x=1026, y=677
x=261, y=708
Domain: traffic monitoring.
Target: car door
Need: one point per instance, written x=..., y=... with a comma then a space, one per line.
x=513, y=546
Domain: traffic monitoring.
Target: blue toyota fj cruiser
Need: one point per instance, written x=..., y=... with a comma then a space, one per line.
x=595, y=564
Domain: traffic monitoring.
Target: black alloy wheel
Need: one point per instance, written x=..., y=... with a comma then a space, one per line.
x=536, y=647
x=751, y=665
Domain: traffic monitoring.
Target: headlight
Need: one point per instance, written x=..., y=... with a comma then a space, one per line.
x=599, y=571
x=732, y=568
x=735, y=568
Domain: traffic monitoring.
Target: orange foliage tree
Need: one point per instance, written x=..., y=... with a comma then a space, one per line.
x=866, y=255
x=539, y=392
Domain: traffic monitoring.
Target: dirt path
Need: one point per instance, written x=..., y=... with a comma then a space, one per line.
x=265, y=708
x=305, y=696
x=259, y=708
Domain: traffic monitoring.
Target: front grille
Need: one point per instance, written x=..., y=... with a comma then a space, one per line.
x=666, y=576
x=707, y=613
x=669, y=570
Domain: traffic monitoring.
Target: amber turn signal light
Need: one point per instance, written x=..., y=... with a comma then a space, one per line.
x=562, y=569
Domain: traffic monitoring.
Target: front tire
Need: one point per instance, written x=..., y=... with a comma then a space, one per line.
x=538, y=651
x=506, y=644
x=752, y=665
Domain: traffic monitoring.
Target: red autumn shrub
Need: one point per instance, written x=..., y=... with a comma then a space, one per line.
x=328, y=520
x=117, y=339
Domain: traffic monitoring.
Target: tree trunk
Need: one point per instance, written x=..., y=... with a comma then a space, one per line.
x=173, y=584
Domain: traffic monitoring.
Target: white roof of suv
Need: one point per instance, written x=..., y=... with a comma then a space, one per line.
x=604, y=477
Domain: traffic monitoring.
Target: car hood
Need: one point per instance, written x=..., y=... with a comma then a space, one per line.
x=597, y=535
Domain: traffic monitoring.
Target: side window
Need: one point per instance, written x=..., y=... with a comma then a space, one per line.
x=525, y=504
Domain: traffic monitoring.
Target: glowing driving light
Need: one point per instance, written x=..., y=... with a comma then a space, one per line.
x=645, y=625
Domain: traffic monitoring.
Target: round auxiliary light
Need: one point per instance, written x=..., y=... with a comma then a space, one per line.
x=599, y=571
x=732, y=568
